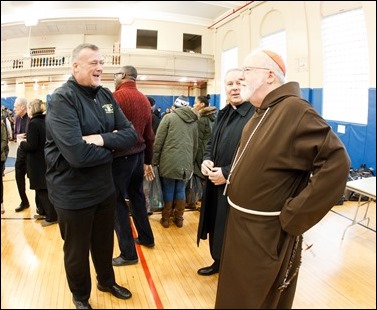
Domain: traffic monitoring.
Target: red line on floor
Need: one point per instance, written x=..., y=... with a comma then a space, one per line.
x=147, y=273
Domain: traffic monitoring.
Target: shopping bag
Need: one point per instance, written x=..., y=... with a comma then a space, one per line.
x=153, y=192
x=194, y=190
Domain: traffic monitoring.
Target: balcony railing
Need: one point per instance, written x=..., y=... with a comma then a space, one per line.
x=146, y=61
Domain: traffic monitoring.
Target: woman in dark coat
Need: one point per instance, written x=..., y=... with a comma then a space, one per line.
x=219, y=153
x=33, y=146
x=206, y=118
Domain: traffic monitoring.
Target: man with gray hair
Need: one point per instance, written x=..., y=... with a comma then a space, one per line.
x=84, y=126
x=20, y=129
x=216, y=164
x=289, y=170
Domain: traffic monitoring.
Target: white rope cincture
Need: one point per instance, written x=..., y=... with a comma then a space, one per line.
x=255, y=212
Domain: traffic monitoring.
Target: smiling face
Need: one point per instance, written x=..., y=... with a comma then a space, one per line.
x=87, y=67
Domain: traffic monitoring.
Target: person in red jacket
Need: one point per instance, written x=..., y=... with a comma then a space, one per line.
x=129, y=167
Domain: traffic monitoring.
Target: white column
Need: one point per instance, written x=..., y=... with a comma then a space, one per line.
x=20, y=89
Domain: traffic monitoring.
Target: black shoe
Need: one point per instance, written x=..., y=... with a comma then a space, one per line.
x=120, y=261
x=116, y=290
x=22, y=207
x=81, y=304
x=150, y=245
x=210, y=270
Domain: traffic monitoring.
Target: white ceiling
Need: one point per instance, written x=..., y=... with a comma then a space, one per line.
x=105, y=17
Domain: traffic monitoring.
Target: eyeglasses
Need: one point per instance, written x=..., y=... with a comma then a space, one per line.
x=249, y=68
x=116, y=74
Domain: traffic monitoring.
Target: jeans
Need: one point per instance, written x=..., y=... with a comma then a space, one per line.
x=173, y=189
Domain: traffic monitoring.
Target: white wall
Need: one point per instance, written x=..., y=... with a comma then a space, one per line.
x=301, y=20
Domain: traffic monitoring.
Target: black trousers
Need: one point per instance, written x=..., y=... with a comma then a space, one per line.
x=2, y=170
x=20, y=172
x=83, y=231
x=128, y=174
x=44, y=205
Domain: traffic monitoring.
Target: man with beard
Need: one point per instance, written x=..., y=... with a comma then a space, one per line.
x=290, y=169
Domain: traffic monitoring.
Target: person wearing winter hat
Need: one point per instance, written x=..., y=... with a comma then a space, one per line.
x=206, y=118
x=174, y=150
x=181, y=101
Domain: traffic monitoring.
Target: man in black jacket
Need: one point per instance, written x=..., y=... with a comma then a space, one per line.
x=84, y=125
x=217, y=158
x=20, y=130
x=155, y=118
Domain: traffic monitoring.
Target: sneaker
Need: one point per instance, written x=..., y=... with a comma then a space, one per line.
x=120, y=261
x=39, y=217
x=46, y=223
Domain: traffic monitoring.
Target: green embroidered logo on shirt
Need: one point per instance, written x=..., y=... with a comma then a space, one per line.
x=108, y=108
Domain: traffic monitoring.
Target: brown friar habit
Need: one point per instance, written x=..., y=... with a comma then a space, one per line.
x=294, y=163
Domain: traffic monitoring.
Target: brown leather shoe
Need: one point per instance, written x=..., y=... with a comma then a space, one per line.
x=164, y=222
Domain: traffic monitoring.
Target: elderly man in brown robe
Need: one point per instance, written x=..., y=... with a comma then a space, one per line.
x=289, y=171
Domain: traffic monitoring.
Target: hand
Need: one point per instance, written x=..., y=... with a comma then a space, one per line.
x=149, y=173
x=216, y=176
x=21, y=137
x=207, y=166
x=94, y=139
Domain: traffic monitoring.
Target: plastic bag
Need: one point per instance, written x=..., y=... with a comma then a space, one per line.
x=153, y=192
x=194, y=190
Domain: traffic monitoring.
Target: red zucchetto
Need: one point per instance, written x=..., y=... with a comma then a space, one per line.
x=277, y=59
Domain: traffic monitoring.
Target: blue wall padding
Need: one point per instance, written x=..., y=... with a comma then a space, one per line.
x=316, y=99
x=8, y=102
x=370, y=142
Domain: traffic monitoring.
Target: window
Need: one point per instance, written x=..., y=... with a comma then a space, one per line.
x=229, y=60
x=146, y=39
x=345, y=67
x=192, y=43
